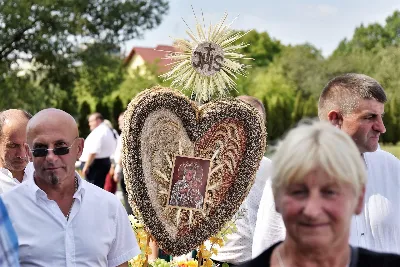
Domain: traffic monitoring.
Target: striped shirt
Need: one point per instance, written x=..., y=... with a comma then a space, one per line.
x=8, y=240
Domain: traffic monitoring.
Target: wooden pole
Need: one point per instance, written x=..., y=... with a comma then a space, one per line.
x=200, y=259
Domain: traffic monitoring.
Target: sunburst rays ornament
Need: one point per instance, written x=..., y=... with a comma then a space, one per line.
x=208, y=63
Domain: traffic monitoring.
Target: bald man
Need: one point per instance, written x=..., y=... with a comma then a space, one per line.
x=71, y=222
x=13, y=152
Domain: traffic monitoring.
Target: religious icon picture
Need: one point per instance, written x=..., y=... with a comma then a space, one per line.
x=189, y=182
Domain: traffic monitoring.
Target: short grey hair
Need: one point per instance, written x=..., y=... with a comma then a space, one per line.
x=318, y=145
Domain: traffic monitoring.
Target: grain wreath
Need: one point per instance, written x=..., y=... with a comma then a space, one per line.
x=162, y=125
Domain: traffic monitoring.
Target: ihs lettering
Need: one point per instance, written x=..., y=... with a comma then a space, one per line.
x=213, y=62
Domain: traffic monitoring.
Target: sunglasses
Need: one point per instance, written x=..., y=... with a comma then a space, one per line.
x=58, y=151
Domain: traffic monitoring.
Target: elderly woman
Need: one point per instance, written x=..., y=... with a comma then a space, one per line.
x=318, y=184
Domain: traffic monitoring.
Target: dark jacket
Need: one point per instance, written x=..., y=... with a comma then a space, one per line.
x=359, y=258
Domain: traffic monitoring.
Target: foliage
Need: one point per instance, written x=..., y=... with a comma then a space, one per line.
x=43, y=45
x=262, y=48
x=65, y=55
x=83, y=125
x=372, y=37
x=393, y=149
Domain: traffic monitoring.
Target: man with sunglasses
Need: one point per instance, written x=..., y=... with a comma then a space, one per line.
x=60, y=219
x=14, y=167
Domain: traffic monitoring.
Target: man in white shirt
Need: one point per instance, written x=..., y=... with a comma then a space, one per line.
x=238, y=247
x=13, y=152
x=118, y=174
x=60, y=219
x=355, y=104
x=99, y=146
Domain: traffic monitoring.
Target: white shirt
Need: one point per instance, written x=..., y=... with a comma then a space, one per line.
x=378, y=226
x=118, y=154
x=100, y=141
x=269, y=227
x=98, y=232
x=7, y=181
x=237, y=249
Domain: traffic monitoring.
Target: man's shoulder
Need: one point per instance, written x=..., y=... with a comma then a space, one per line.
x=380, y=154
x=264, y=171
x=265, y=166
x=97, y=132
x=18, y=197
x=381, y=160
x=18, y=191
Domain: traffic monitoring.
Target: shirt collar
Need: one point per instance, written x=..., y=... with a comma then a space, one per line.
x=10, y=175
x=6, y=172
x=39, y=193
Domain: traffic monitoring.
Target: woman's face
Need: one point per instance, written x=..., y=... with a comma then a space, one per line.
x=317, y=212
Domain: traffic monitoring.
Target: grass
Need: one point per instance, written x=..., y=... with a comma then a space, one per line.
x=394, y=149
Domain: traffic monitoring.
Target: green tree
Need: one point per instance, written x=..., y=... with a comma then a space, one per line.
x=83, y=125
x=386, y=69
x=372, y=37
x=48, y=37
x=302, y=66
x=117, y=108
x=103, y=109
x=262, y=48
x=100, y=74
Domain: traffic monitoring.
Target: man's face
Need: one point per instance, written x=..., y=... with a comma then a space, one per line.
x=56, y=168
x=93, y=122
x=13, y=153
x=365, y=124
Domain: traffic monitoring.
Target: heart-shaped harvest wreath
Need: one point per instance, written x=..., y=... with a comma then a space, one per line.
x=221, y=143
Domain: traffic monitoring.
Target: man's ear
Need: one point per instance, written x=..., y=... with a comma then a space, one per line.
x=28, y=152
x=81, y=142
x=335, y=118
x=360, y=201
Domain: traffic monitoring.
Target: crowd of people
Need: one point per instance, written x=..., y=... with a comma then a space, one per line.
x=328, y=196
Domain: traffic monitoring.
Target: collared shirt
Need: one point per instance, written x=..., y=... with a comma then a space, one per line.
x=101, y=141
x=378, y=226
x=269, y=227
x=8, y=240
x=98, y=232
x=118, y=154
x=7, y=181
x=238, y=247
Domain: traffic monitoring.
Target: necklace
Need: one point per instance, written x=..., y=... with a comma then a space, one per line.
x=278, y=255
x=73, y=199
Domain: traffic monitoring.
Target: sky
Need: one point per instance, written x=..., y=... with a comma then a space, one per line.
x=322, y=23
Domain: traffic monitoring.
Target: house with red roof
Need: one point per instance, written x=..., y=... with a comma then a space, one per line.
x=140, y=57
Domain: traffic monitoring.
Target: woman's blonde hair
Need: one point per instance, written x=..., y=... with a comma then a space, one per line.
x=318, y=145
